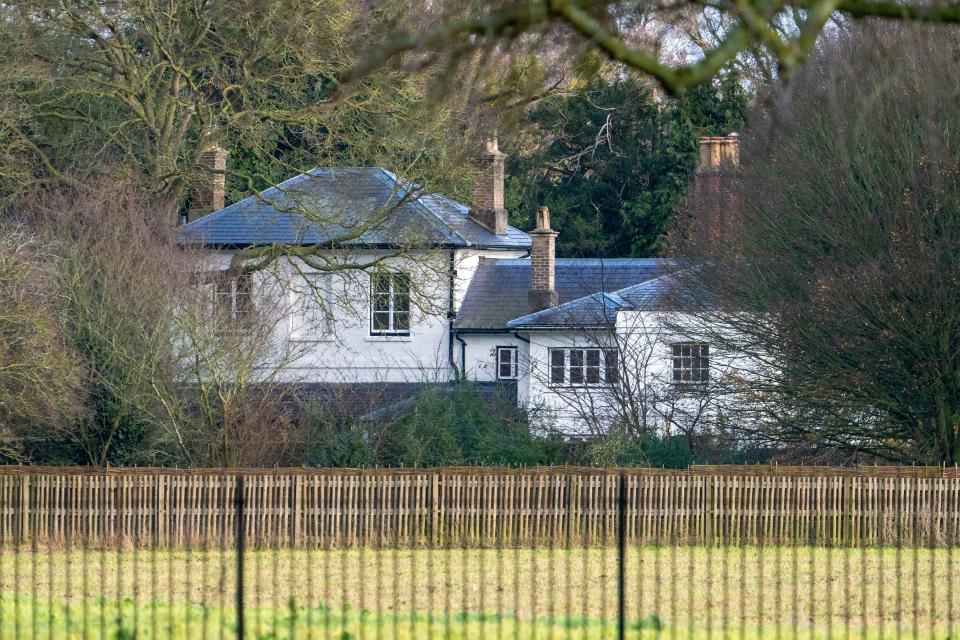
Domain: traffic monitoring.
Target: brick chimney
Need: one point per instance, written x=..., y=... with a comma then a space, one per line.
x=543, y=248
x=719, y=161
x=209, y=188
x=487, y=206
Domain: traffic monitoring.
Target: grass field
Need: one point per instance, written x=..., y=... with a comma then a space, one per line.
x=675, y=591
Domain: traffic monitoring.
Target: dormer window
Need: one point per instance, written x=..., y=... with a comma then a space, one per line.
x=390, y=304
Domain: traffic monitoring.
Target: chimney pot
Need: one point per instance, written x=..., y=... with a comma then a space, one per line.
x=487, y=207
x=543, y=218
x=719, y=155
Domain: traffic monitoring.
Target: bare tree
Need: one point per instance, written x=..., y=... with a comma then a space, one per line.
x=149, y=89
x=832, y=263
x=611, y=27
x=41, y=377
x=635, y=373
x=228, y=399
x=173, y=362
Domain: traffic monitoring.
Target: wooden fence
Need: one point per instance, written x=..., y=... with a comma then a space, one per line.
x=455, y=507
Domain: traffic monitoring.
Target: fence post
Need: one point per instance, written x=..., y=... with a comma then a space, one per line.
x=24, y=512
x=434, y=506
x=238, y=502
x=621, y=555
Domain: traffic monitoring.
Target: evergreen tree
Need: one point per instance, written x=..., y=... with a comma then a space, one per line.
x=612, y=162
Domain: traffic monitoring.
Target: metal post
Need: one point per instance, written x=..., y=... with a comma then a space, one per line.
x=621, y=555
x=238, y=502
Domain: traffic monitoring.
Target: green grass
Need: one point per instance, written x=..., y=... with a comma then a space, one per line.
x=674, y=592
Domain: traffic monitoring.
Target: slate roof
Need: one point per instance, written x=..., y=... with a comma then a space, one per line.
x=324, y=204
x=593, y=311
x=600, y=309
x=651, y=294
x=497, y=295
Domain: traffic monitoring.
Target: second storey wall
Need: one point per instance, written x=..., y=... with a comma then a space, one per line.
x=351, y=351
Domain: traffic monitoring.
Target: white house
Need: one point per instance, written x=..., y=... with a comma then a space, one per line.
x=389, y=285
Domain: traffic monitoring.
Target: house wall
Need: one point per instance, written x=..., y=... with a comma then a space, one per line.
x=559, y=408
x=480, y=354
x=646, y=394
x=349, y=352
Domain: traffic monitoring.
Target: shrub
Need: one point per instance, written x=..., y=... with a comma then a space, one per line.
x=443, y=427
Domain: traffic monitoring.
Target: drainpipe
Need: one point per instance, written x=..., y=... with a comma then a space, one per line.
x=451, y=315
x=463, y=355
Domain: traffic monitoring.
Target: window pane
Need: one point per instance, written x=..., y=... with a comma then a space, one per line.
x=576, y=366
x=611, y=371
x=593, y=366
x=390, y=301
x=703, y=363
x=401, y=294
x=243, y=299
x=381, y=283
x=381, y=321
x=556, y=366
x=506, y=363
x=381, y=302
x=223, y=298
x=691, y=362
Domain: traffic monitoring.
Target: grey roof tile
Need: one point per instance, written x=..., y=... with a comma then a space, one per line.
x=600, y=309
x=498, y=292
x=331, y=204
x=651, y=294
x=595, y=310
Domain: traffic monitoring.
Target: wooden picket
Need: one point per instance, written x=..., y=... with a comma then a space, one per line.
x=864, y=506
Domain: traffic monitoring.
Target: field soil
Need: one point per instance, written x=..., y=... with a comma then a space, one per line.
x=677, y=592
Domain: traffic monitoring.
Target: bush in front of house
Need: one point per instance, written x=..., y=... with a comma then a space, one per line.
x=447, y=426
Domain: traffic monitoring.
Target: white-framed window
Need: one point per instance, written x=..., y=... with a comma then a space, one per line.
x=506, y=363
x=584, y=367
x=691, y=363
x=233, y=297
x=310, y=311
x=390, y=304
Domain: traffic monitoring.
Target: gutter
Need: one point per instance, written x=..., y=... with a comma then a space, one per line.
x=577, y=327
x=468, y=331
x=375, y=246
